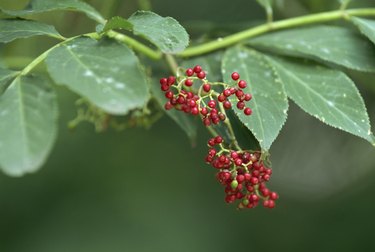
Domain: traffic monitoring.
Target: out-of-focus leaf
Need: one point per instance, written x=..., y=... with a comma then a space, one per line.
x=11, y=29
x=28, y=115
x=326, y=94
x=331, y=44
x=40, y=6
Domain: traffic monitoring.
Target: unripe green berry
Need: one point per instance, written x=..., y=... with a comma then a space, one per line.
x=234, y=184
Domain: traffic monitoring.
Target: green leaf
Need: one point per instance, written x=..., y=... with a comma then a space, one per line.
x=336, y=45
x=117, y=23
x=107, y=73
x=5, y=76
x=28, y=115
x=366, y=26
x=11, y=29
x=185, y=122
x=40, y=6
x=164, y=32
x=269, y=103
x=326, y=94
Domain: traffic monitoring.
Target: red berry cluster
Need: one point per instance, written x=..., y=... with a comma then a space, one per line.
x=238, y=92
x=243, y=173
x=202, y=101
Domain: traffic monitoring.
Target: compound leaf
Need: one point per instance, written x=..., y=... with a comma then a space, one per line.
x=326, y=94
x=269, y=103
x=330, y=44
x=11, y=29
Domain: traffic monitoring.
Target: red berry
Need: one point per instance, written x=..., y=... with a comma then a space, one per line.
x=212, y=152
x=221, y=98
x=248, y=111
x=206, y=122
x=247, y=176
x=266, y=177
x=240, y=178
x=240, y=105
x=189, y=82
x=227, y=105
x=192, y=103
x=247, y=97
x=204, y=111
x=265, y=192
x=189, y=72
x=163, y=81
x=230, y=198
x=171, y=80
x=180, y=100
x=239, y=94
x=206, y=87
x=238, y=161
x=218, y=139
x=235, y=76
x=222, y=117
x=274, y=196
x=201, y=75
x=254, y=180
x=197, y=69
x=212, y=104
x=211, y=142
x=169, y=94
x=194, y=111
x=227, y=92
x=266, y=203
x=242, y=84
x=234, y=154
x=271, y=204
x=168, y=105
x=189, y=95
x=164, y=87
x=254, y=197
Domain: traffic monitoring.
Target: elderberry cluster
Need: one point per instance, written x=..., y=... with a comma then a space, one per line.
x=203, y=100
x=243, y=173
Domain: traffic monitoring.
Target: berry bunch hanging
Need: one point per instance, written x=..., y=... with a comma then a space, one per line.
x=243, y=173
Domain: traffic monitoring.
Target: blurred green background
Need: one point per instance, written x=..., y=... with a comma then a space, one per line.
x=149, y=190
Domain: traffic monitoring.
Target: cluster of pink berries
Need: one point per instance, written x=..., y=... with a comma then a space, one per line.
x=243, y=174
x=194, y=103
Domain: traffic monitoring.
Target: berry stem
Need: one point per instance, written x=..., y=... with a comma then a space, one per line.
x=172, y=63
